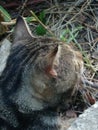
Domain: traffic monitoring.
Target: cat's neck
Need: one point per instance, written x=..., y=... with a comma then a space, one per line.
x=24, y=98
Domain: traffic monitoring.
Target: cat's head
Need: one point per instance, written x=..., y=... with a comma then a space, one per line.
x=51, y=67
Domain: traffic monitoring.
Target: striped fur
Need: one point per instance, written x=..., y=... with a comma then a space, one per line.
x=39, y=72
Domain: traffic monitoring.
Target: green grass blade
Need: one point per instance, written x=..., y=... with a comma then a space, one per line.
x=6, y=15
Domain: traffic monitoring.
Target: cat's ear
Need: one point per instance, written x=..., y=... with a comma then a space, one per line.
x=53, y=61
x=21, y=31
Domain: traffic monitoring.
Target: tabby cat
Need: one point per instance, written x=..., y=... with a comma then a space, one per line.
x=38, y=73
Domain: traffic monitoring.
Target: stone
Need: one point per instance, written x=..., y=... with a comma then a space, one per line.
x=88, y=120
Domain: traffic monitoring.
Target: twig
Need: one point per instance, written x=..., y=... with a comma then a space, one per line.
x=42, y=23
x=24, y=5
x=89, y=83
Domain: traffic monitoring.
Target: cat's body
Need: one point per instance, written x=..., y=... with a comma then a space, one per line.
x=39, y=72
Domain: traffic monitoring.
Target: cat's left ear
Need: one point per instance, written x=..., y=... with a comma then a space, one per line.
x=22, y=30
x=52, y=60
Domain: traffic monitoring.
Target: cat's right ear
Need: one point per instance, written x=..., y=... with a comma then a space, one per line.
x=21, y=31
x=52, y=60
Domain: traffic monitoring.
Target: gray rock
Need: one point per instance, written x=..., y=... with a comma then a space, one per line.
x=4, y=53
x=88, y=120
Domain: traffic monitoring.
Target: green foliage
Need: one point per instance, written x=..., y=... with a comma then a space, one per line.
x=42, y=17
x=30, y=19
x=68, y=35
x=40, y=30
x=5, y=14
